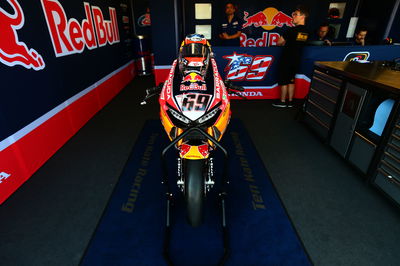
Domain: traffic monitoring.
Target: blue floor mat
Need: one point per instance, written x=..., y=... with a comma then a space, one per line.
x=131, y=231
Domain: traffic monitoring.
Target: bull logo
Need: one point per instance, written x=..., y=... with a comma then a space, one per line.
x=268, y=19
x=259, y=19
x=12, y=51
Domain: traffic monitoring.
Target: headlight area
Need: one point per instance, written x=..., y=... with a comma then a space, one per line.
x=178, y=119
x=210, y=117
x=181, y=121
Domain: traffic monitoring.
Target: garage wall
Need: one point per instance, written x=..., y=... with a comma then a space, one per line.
x=60, y=63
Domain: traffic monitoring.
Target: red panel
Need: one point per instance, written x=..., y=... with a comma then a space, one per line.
x=12, y=164
x=21, y=159
x=161, y=75
x=301, y=90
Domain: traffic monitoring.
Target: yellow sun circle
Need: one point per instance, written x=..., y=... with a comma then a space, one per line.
x=269, y=12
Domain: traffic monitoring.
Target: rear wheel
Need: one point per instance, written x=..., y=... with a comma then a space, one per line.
x=194, y=171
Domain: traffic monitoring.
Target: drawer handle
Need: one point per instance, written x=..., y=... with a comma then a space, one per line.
x=393, y=180
x=389, y=176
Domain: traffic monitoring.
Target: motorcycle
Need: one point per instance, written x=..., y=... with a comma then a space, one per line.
x=195, y=112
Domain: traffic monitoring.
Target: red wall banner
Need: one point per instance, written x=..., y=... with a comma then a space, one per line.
x=60, y=63
x=27, y=150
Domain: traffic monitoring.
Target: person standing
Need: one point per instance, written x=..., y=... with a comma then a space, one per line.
x=231, y=27
x=293, y=40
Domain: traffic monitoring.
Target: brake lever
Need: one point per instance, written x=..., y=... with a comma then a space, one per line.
x=145, y=97
x=148, y=96
x=152, y=92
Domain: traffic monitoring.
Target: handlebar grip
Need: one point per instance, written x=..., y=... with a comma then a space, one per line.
x=152, y=90
x=230, y=86
x=155, y=89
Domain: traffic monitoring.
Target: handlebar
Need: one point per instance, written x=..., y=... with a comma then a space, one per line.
x=234, y=89
x=152, y=92
x=229, y=85
x=157, y=90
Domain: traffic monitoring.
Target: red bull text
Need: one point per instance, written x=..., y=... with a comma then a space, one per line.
x=70, y=37
x=267, y=39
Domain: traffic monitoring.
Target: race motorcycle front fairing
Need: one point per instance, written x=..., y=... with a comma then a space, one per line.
x=193, y=101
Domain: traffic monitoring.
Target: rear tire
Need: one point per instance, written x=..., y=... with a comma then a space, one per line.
x=194, y=171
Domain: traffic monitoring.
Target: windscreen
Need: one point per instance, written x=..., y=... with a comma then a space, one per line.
x=195, y=50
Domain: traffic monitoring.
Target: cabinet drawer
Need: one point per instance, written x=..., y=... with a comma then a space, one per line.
x=316, y=125
x=388, y=184
x=396, y=131
x=395, y=141
x=395, y=151
x=322, y=100
x=319, y=112
x=334, y=81
x=362, y=152
x=391, y=161
x=325, y=88
x=389, y=169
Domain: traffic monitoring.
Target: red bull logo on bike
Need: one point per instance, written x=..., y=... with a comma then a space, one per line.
x=243, y=67
x=193, y=77
x=268, y=19
x=12, y=50
x=69, y=36
x=193, y=87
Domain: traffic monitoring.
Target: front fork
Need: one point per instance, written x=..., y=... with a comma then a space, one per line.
x=209, y=180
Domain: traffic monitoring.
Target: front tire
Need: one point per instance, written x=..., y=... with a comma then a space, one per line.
x=194, y=171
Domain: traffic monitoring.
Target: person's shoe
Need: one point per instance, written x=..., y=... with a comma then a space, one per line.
x=290, y=104
x=280, y=104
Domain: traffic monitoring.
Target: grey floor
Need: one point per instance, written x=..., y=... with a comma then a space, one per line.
x=340, y=218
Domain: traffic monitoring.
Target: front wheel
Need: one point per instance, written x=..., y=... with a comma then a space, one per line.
x=194, y=171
